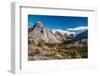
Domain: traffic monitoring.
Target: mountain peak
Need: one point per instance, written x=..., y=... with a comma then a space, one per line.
x=39, y=24
x=40, y=32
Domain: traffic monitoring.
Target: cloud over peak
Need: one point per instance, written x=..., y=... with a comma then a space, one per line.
x=63, y=31
x=78, y=28
x=73, y=31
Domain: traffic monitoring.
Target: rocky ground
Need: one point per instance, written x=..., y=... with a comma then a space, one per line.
x=47, y=51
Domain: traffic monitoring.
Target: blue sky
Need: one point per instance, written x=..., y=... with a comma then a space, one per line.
x=59, y=22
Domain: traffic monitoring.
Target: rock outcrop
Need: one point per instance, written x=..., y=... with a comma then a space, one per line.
x=40, y=32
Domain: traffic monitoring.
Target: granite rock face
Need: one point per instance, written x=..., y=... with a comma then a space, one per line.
x=40, y=32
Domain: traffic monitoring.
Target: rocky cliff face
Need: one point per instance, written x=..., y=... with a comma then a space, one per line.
x=40, y=32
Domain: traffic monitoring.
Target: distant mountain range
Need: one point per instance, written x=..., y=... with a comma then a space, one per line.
x=83, y=35
x=39, y=32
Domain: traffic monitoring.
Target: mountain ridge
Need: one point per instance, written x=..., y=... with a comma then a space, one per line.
x=39, y=32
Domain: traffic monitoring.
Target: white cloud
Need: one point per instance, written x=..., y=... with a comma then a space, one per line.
x=78, y=28
x=71, y=30
x=63, y=31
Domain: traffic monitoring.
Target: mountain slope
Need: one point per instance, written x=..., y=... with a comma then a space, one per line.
x=40, y=32
x=83, y=35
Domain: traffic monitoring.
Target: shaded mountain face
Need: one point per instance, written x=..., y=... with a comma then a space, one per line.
x=39, y=32
x=81, y=38
x=83, y=35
